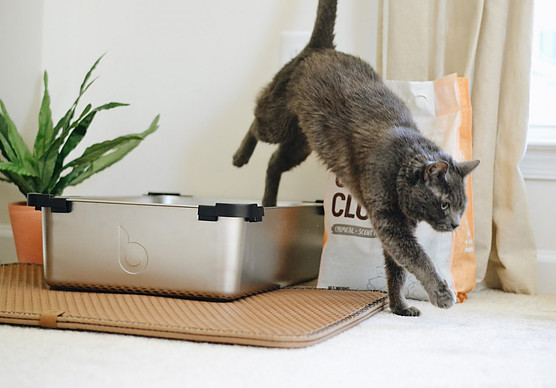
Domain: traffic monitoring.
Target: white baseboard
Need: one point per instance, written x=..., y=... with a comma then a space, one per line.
x=546, y=269
x=6, y=231
x=539, y=162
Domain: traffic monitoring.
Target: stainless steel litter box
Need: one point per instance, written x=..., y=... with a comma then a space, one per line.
x=178, y=245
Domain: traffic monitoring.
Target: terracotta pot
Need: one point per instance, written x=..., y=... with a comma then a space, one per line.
x=27, y=230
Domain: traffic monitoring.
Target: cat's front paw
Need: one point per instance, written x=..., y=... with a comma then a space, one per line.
x=442, y=296
x=406, y=311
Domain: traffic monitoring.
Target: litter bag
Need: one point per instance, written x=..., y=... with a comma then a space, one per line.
x=352, y=254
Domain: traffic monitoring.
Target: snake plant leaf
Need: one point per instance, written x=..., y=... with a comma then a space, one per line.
x=45, y=132
x=64, y=123
x=49, y=161
x=81, y=116
x=81, y=127
x=84, y=85
x=15, y=147
x=97, y=150
x=6, y=128
x=41, y=170
x=5, y=146
x=24, y=184
x=15, y=168
x=19, y=175
x=100, y=156
x=84, y=171
x=60, y=139
x=54, y=159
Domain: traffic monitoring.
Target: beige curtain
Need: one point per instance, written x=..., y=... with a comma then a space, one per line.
x=488, y=41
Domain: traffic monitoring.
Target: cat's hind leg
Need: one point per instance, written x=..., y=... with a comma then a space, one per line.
x=396, y=276
x=247, y=146
x=287, y=156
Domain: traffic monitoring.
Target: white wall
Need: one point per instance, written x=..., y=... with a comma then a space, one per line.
x=200, y=64
x=20, y=66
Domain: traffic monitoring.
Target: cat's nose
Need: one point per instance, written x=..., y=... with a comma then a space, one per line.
x=455, y=221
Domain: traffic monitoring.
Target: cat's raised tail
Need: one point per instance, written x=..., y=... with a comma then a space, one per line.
x=323, y=30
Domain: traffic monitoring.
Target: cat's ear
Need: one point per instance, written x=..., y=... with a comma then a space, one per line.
x=466, y=167
x=436, y=170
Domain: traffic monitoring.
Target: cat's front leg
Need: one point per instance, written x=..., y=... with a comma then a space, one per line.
x=402, y=247
x=395, y=277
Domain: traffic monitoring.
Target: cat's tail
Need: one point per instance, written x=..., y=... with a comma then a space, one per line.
x=323, y=31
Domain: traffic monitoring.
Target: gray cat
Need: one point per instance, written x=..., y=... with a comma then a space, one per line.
x=337, y=105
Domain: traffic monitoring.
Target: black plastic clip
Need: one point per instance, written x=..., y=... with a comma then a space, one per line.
x=56, y=204
x=249, y=212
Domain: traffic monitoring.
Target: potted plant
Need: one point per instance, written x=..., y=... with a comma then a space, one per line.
x=45, y=170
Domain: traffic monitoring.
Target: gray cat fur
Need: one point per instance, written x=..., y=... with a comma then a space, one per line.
x=337, y=105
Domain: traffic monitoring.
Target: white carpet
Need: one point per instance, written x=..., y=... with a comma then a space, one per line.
x=492, y=340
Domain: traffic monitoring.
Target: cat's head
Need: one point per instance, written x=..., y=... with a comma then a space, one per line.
x=436, y=193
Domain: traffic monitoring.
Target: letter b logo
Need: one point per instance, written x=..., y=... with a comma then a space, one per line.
x=132, y=256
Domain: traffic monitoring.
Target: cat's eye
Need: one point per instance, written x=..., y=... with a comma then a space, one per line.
x=445, y=205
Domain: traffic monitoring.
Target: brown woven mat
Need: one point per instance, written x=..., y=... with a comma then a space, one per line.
x=283, y=318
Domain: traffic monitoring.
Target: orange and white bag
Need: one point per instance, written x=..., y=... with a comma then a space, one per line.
x=352, y=254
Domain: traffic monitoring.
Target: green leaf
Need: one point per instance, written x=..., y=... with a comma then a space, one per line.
x=55, y=146
x=76, y=136
x=41, y=170
x=86, y=170
x=20, y=168
x=99, y=149
x=84, y=85
x=24, y=184
x=19, y=151
x=80, y=129
x=5, y=146
x=51, y=160
x=85, y=111
x=45, y=133
x=16, y=169
x=100, y=156
x=64, y=123
x=48, y=161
